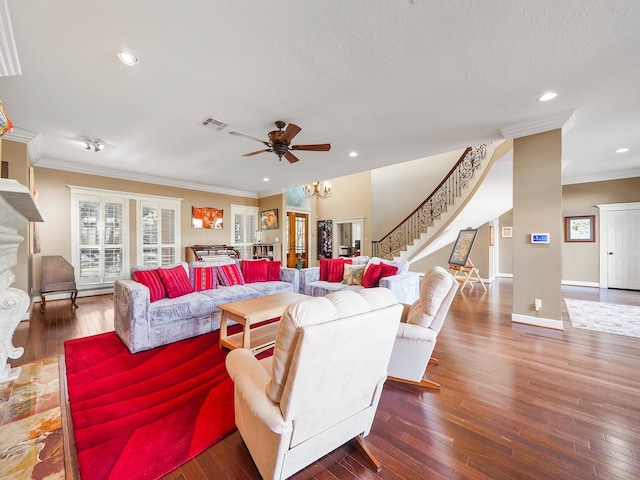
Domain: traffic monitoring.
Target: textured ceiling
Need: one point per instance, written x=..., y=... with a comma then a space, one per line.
x=394, y=80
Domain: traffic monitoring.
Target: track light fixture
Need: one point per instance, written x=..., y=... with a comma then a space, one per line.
x=95, y=145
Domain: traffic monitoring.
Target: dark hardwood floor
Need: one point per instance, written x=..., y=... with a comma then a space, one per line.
x=517, y=402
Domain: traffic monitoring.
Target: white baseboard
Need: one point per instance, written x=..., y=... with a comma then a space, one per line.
x=537, y=321
x=577, y=283
x=506, y=275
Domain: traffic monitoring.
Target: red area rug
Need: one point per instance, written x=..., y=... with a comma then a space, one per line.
x=143, y=415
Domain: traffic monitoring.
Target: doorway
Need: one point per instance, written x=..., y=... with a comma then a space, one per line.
x=620, y=246
x=298, y=235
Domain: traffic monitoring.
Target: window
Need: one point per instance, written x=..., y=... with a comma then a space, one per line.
x=100, y=235
x=158, y=229
x=98, y=238
x=245, y=225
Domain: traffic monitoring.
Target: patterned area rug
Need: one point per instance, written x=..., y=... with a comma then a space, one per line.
x=604, y=317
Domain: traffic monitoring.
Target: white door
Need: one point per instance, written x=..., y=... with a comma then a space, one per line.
x=623, y=249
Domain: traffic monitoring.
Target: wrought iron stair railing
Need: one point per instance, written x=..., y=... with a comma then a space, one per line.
x=445, y=194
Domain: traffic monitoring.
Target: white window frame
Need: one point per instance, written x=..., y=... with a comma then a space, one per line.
x=79, y=194
x=251, y=236
x=161, y=204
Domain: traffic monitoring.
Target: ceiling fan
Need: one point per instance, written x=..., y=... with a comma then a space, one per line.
x=280, y=142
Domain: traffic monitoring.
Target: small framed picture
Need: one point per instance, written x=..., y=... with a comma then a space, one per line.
x=580, y=228
x=269, y=219
x=205, y=217
x=507, y=232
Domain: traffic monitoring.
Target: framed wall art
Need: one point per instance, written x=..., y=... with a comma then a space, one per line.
x=580, y=228
x=507, y=232
x=205, y=217
x=269, y=219
x=462, y=247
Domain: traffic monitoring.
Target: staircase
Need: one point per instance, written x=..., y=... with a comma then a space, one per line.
x=429, y=221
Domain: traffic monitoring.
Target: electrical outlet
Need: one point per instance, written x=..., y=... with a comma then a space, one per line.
x=537, y=304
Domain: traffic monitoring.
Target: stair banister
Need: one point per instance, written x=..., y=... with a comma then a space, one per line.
x=417, y=222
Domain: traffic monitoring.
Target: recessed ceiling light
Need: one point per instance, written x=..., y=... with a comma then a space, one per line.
x=547, y=96
x=265, y=179
x=127, y=58
x=622, y=150
x=353, y=154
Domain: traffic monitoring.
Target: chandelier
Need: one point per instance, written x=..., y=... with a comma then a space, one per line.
x=95, y=145
x=317, y=189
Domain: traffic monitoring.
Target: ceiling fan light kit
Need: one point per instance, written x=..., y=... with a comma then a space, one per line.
x=280, y=142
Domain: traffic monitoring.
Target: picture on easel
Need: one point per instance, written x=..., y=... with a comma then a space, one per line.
x=462, y=247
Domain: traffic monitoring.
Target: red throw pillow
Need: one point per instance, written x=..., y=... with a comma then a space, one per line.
x=255, y=270
x=324, y=269
x=336, y=269
x=229, y=275
x=387, y=270
x=371, y=275
x=273, y=271
x=176, y=281
x=205, y=278
x=151, y=280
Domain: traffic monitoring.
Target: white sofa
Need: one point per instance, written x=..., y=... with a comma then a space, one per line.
x=322, y=385
x=142, y=324
x=404, y=284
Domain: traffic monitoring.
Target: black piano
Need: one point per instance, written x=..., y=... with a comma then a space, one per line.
x=58, y=275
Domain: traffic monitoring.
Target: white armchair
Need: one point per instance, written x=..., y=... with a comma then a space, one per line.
x=322, y=385
x=419, y=328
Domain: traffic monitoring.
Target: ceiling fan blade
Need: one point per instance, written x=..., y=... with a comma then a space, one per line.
x=249, y=137
x=291, y=157
x=257, y=152
x=290, y=132
x=321, y=147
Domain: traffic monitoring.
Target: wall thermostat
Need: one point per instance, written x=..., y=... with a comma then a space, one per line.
x=539, y=238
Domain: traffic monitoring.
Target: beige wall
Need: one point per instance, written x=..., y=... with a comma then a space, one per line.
x=537, y=208
x=505, y=245
x=55, y=206
x=580, y=260
x=275, y=236
x=350, y=198
x=397, y=190
x=18, y=158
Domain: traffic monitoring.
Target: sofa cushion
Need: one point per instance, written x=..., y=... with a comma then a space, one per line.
x=273, y=271
x=204, y=278
x=320, y=289
x=403, y=265
x=191, y=305
x=371, y=275
x=436, y=285
x=151, y=280
x=387, y=270
x=229, y=275
x=230, y=294
x=255, y=270
x=332, y=269
x=270, y=288
x=353, y=274
x=176, y=282
x=308, y=312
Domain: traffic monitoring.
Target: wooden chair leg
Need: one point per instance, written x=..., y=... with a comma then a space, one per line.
x=423, y=383
x=433, y=361
x=368, y=454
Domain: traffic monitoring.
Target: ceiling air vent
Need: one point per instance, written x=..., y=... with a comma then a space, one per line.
x=213, y=123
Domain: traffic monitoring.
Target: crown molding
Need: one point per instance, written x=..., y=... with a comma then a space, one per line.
x=9, y=62
x=142, y=178
x=601, y=177
x=32, y=139
x=564, y=120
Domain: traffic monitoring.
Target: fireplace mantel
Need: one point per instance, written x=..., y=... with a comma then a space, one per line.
x=17, y=209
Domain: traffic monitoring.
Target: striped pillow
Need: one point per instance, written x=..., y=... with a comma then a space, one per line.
x=229, y=275
x=151, y=280
x=204, y=278
x=176, y=281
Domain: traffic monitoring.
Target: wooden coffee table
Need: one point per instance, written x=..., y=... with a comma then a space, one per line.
x=250, y=312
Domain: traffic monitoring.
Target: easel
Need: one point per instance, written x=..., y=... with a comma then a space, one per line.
x=469, y=272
